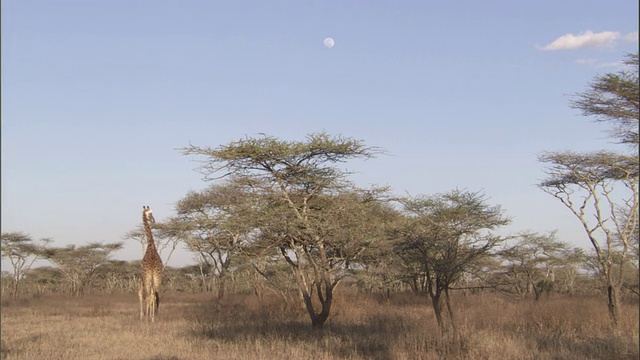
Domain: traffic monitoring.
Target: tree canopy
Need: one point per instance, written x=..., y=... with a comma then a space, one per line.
x=615, y=98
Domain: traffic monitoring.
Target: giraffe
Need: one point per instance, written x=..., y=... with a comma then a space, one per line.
x=151, y=275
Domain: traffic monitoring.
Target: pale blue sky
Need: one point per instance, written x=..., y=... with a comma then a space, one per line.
x=98, y=95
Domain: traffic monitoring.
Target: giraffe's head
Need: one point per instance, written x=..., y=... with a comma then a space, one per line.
x=147, y=214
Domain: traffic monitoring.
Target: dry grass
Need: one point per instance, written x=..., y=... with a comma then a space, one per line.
x=361, y=327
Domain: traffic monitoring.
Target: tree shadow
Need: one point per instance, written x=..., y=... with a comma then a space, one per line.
x=373, y=338
x=608, y=347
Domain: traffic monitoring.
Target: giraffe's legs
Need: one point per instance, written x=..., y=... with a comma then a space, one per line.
x=152, y=304
x=157, y=280
x=147, y=298
x=142, y=300
x=151, y=295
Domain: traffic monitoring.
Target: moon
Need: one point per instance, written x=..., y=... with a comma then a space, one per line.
x=329, y=42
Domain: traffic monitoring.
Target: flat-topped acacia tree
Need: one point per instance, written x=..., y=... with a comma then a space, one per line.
x=21, y=251
x=309, y=213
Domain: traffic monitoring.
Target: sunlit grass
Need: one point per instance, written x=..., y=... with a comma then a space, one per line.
x=362, y=326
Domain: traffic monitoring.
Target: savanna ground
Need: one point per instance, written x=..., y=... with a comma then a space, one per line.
x=362, y=326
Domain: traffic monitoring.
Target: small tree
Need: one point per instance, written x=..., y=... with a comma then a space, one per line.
x=22, y=252
x=572, y=264
x=214, y=223
x=118, y=275
x=43, y=279
x=530, y=259
x=80, y=264
x=443, y=236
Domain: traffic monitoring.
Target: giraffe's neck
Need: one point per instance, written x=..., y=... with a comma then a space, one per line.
x=147, y=231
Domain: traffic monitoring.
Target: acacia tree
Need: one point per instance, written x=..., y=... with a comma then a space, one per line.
x=530, y=259
x=614, y=98
x=44, y=279
x=118, y=275
x=80, y=264
x=586, y=184
x=443, y=236
x=570, y=269
x=301, y=192
x=20, y=249
x=601, y=188
x=215, y=223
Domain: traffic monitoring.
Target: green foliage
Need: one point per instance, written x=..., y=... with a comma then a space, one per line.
x=216, y=224
x=585, y=169
x=442, y=236
x=615, y=98
x=79, y=264
x=20, y=249
x=529, y=256
x=291, y=161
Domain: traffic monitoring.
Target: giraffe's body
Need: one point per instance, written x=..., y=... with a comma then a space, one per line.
x=151, y=275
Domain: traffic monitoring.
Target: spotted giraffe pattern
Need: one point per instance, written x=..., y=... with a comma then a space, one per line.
x=151, y=274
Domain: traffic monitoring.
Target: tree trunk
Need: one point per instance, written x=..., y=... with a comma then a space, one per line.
x=530, y=288
x=537, y=289
x=450, y=309
x=319, y=318
x=613, y=297
x=221, y=287
x=15, y=289
x=437, y=304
